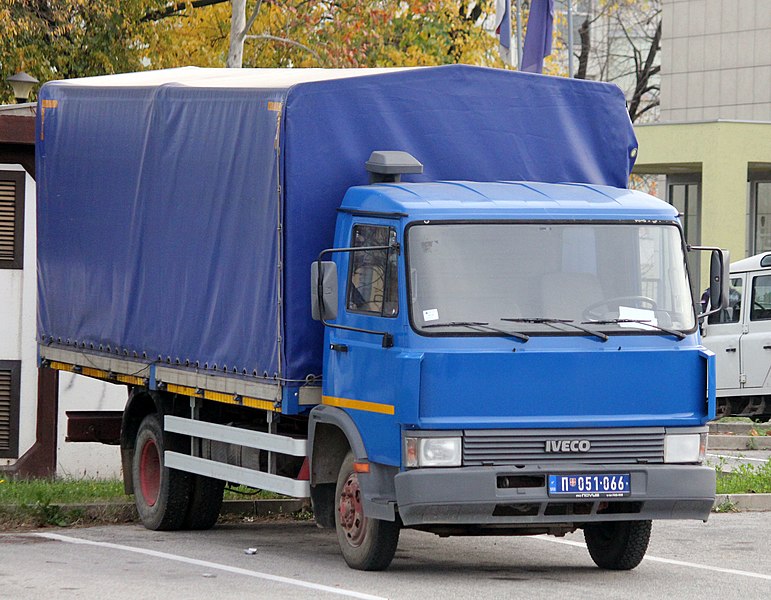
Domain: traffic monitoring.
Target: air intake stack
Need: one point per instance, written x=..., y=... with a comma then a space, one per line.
x=388, y=166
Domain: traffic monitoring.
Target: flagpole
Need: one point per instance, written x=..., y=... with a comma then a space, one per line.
x=519, y=34
x=570, y=39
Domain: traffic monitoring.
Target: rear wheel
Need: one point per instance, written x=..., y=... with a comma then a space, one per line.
x=205, y=503
x=618, y=545
x=367, y=544
x=161, y=495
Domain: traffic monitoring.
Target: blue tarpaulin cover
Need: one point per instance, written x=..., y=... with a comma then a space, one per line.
x=179, y=210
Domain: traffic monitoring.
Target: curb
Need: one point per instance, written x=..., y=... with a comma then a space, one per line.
x=731, y=428
x=742, y=503
x=739, y=442
x=124, y=512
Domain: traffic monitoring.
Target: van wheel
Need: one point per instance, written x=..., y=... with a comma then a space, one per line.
x=161, y=495
x=618, y=545
x=367, y=544
x=205, y=503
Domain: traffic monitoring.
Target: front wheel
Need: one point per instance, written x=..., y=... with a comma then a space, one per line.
x=367, y=544
x=618, y=545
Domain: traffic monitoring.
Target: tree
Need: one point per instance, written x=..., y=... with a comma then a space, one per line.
x=343, y=33
x=620, y=42
x=54, y=39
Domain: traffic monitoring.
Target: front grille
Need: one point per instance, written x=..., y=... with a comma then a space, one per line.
x=528, y=446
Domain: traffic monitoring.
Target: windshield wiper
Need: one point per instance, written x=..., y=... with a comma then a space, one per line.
x=480, y=324
x=455, y=324
x=554, y=322
x=678, y=334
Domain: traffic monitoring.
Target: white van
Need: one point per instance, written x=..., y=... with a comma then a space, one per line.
x=740, y=337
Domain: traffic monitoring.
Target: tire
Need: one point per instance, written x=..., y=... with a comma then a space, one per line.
x=205, y=503
x=161, y=495
x=618, y=545
x=367, y=544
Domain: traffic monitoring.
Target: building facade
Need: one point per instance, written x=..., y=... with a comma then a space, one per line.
x=712, y=143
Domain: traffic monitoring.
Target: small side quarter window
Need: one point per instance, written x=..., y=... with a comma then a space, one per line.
x=373, y=274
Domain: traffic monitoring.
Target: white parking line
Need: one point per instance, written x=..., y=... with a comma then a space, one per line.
x=211, y=565
x=667, y=561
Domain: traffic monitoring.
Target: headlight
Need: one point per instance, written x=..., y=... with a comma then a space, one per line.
x=432, y=452
x=685, y=448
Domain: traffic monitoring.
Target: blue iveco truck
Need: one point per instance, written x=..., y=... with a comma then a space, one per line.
x=423, y=298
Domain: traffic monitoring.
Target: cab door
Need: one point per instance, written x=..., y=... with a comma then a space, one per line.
x=723, y=336
x=756, y=342
x=363, y=369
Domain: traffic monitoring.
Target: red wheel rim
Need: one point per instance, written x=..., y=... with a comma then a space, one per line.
x=352, y=519
x=150, y=472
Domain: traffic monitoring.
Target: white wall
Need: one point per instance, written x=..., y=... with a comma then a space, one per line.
x=18, y=319
x=85, y=459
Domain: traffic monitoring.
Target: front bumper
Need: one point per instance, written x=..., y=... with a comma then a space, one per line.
x=472, y=496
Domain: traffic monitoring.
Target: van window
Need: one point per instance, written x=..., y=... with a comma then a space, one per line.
x=731, y=314
x=761, y=298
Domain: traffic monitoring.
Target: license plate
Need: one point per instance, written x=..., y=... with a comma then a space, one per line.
x=590, y=486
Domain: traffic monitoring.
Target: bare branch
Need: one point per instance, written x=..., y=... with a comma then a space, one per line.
x=265, y=36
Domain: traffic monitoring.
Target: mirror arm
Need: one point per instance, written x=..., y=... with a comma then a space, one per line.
x=388, y=339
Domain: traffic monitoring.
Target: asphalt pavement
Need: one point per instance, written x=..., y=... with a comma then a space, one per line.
x=725, y=558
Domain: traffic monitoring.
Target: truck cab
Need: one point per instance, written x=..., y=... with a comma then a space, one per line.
x=513, y=357
x=740, y=337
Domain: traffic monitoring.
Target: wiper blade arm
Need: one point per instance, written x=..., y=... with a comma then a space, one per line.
x=482, y=325
x=515, y=334
x=553, y=322
x=678, y=334
x=456, y=324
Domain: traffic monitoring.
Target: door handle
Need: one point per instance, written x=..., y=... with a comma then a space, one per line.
x=730, y=349
x=767, y=347
x=338, y=347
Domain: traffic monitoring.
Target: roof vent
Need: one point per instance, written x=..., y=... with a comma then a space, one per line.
x=388, y=166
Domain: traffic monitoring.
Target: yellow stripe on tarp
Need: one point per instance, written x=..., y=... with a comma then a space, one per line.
x=385, y=409
x=222, y=397
x=60, y=366
x=97, y=373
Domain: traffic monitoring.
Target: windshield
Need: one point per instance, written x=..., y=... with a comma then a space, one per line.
x=467, y=278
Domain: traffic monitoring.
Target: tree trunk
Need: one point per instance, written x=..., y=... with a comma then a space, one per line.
x=585, y=32
x=237, y=31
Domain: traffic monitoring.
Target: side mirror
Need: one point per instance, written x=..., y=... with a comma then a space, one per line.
x=323, y=290
x=718, y=279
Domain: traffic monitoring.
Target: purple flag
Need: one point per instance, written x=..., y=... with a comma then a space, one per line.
x=538, y=36
x=503, y=28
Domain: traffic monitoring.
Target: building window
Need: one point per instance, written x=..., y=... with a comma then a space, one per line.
x=372, y=280
x=684, y=193
x=11, y=219
x=10, y=371
x=760, y=197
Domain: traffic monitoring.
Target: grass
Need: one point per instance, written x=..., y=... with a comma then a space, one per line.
x=60, y=491
x=49, y=502
x=42, y=502
x=745, y=479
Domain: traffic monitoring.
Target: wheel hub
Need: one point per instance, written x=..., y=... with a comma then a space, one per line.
x=352, y=520
x=150, y=472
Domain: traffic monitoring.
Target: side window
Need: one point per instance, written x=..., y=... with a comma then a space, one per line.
x=733, y=312
x=761, y=298
x=372, y=277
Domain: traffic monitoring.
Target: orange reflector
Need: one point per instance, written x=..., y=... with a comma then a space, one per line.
x=361, y=467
